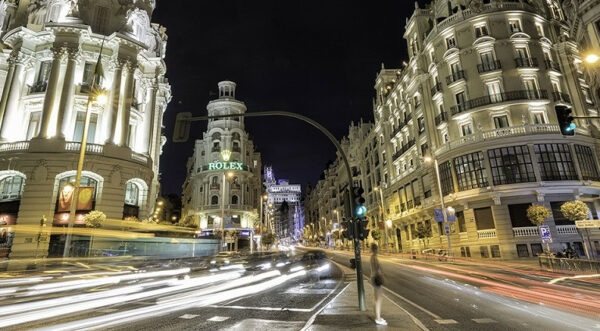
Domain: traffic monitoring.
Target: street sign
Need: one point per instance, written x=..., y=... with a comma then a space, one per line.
x=545, y=234
x=447, y=229
x=439, y=217
x=587, y=224
x=450, y=215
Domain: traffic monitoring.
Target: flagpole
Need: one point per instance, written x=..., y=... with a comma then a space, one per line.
x=94, y=93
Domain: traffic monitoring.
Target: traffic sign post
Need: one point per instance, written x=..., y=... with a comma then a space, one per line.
x=545, y=234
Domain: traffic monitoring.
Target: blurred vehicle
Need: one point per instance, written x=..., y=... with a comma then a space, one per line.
x=439, y=253
x=316, y=264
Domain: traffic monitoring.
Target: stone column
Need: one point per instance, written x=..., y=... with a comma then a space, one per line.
x=51, y=88
x=65, y=108
x=12, y=103
x=149, y=113
x=125, y=111
x=112, y=113
x=7, y=84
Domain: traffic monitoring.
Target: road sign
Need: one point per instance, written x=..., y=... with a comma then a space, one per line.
x=447, y=229
x=450, y=215
x=587, y=224
x=439, y=217
x=545, y=234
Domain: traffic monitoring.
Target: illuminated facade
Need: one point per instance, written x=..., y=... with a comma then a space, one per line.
x=46, y=66
x=288, y=220
x=478, y=94
x=225, y=155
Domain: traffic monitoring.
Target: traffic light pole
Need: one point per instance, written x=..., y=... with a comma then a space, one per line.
x=181, y=124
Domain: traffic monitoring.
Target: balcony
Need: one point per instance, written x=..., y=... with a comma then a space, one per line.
x=402, y=124
x=456, y=76
x=561, y=97
x=551, y=65
x=89, y=148
x=38, y=87
x=566, y=229
x=499, y=98
x=489, y=66
x=486, y=234
x=436, y=88
x=513, y=131
x=16, y=146
x=214, y=186
x=526, y=62
x=441, y=117
x=526, y=231
x=404, y=149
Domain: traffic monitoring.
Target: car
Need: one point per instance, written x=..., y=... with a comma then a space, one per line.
x=316, y=264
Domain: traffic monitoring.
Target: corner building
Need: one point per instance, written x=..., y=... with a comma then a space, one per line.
x=223, y=186
x=478, y=94
x=46, y=68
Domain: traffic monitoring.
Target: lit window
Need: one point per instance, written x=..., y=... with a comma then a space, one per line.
x=11, y=187
x=538, y=118
x=450, y=42
x=501, y=122
x=132, y=193
x=481, y=31
x=514, y=25
x=34, y=124
x=79, y=125
x=466, y=129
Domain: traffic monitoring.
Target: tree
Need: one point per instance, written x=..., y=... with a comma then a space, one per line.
x=423, y=233
x=267, y=239
x=94, y=219
x=188, y=222
x=537, y=214
x=575, y=210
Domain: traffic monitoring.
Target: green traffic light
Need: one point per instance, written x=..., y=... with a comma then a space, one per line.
x=361, y=210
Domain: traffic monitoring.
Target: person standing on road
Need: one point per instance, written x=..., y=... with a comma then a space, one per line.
x=377, y=280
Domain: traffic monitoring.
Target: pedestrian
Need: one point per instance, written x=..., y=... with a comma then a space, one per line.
x=377, y=280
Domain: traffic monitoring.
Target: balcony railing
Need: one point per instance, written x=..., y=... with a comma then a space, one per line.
x=441, y=117
x=551, y=65
x=89, y=148
x=486, y=234
x=526, y=62
x=402, y=124
x=404, y=148
x=16, y=146
x=417, y=201
x=38, y=87
x=498, y=98
x=526, y=231
x=566, y=229
x=455, y=76
x=436, y=88
x=480, y=136
x=489, y=66
x=561, y=97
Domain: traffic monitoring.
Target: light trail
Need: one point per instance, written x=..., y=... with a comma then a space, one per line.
x=560, y=279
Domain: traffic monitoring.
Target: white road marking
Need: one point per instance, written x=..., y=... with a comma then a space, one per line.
x=414, y=319
x=446, y=322
x=435, y=316
x=301, y=310
x=218, y=318
x=188, y=316
x=483, y=320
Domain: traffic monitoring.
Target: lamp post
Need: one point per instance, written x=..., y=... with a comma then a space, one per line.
x=98, y=96
x=429, y=159
x=225, y=174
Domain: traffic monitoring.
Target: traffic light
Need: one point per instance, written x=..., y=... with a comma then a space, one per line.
x=565, y=120
x=359, y=201
x=347, y=231
x=181, y=133
x=363, y=232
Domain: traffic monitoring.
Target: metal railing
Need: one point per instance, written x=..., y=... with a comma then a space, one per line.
x=581, y=265
x=561, y=97
x=552, y=65
x=498, y=98
x=441, y=117
x=489, y=66
x=526, y=62
x=455, y=76
x=436, y=88
x=402, y=124
x=38, y=87
x=404, y=149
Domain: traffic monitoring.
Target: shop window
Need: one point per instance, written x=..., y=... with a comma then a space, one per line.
x=132, y=192
x=555, y=162
x=12, y=187
x=470, y=171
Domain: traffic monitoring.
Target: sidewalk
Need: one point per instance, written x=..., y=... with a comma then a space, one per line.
x=342, y=312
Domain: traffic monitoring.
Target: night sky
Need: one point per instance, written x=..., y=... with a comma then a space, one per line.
x=316, y=58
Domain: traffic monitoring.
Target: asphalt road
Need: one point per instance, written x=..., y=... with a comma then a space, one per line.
x=448, y=297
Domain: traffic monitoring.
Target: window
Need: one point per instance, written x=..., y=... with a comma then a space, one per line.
x=12, y=187
x=455, y=69
x=555, y=162
x=44, y=72
x=88, y=74
x=214, y=200
x=586, y=94
x=421, y=123
x=521, y=52
x=501, y=122
x=460, y=98
x=484, y=218
x=487, y=61
x=539, y=118
x=85, y=181
x=470, y=171
x=481, y=31
x=33, y=128
x=518, y=215
x=460, y=218
x=536, y=249
x=466, y=129
x=131, y=136
x=494, y=92
x=540, y=29
x=495, y=251
x=511, y=165
x=522, y=250
x=80, y=123
x=234, y=199
x=450, y=42
x=531, y=88
x=424, y=149
x=132, y=193
x=514, y=26
x=446, y=178
x=587, y=162
x=484, y=251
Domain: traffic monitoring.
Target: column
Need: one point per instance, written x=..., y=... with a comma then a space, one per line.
x=7, y=84
x=7, y=133
x=50, y=98
x=149, y=113
x=112, y=113
x=65, y=108
x=125, y=110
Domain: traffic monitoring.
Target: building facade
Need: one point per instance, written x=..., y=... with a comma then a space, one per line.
x=478, y=94
x=223, y=187
x=284, y=197
x=49, y=52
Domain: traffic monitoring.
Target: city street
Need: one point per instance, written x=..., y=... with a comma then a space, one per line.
x=472, y=297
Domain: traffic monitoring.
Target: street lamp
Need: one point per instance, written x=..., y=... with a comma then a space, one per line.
x=591, y=58
x=430, y=159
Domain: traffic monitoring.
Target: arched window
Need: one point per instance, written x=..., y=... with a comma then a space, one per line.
x=216, y=136
x=85, y=181
x=234, y=199
x=214, y=200
x=132, y=194
x=214, y=180
x=235, y=136
x=11, y=187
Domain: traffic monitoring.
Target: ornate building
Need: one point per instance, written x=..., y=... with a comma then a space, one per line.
x=478, y=94
x=223, y=186
x=285, y=198
x=49, y=52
